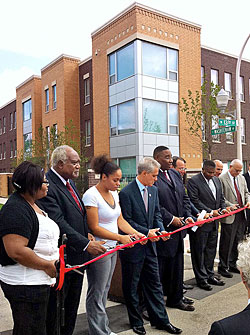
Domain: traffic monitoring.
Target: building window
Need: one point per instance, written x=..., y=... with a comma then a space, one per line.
x=4, y=124
x=14, y=120
x=11, y=121
x=215, y=125
x=1, y=152
x=122, y=118
x=158, y=61
x=54, y=96
x=229, y=136
x=121, y=64
x=15, y=148
x=215, y=77
x=202, y=75
x=128, y=166
x=242, y=96
x=4, y=151
x=87, y=133
x=228, y=83
x=27, y=110
x=27, y=141
x=11, y=149
x=243, y=130
x=160, y=117
x=47, y=100
x=87, y=91
x=1, y=127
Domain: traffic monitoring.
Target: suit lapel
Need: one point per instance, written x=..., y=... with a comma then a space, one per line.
x=140, y=200
x=206, y=186
x=59, y=184
x=228, y=180
x=164, y=178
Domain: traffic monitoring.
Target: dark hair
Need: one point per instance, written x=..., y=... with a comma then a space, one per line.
x=208, y=164
x=159, y=149
x=28, y=177
x=103, y=165
x=176, y=158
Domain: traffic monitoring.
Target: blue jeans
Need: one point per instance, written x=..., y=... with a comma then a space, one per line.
x=29, y=307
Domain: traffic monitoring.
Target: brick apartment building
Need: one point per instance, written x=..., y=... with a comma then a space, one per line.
x=8, y=148
x=220, y=68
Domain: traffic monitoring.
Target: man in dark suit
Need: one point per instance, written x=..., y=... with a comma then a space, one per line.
x=140, y=207
x=175, y=206
x=205, y=192
x=64, y=205
x=247, y=177
x=238, y=324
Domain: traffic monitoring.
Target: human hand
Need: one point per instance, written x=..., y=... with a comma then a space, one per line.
x=177, y=222
x=125, y=239
x=50, y=268
x=139, y=236
x=165, y=238
x=91, y=237
x=248, y=205
x=152, y=233
x=216, y=212
x=95, y=248
x=189, y=220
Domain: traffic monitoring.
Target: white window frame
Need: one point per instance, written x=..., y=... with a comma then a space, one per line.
x=54, y=97
x=87, y=133
x=46, y=104
x=228, y=89
x=87, y=91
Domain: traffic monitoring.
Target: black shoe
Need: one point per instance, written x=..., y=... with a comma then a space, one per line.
x=139, y=330
x=170, y=328
x=145, y=315
x=184, y=307
x=225, y=273
x=187, y=287
x=187, y=301
x=233, y=269
x=205, y=286
x=215, y=281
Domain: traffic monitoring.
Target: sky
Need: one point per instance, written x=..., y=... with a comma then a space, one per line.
x=34, y=32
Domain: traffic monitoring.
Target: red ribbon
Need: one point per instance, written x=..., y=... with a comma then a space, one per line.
x=64, y=269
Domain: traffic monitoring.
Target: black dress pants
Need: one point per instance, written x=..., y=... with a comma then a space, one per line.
x=231, y=235
x=146, y=273
x=72, y=294
x=29, y=306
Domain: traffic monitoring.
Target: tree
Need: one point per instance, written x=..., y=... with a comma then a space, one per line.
x=39, y=150
x=201, y=115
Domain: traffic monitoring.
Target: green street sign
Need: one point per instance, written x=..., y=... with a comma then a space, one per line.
x=223, y=130
x=225, y=122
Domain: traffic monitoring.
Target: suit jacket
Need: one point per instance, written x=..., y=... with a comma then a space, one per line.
x=236, y=324
x=202, y=197
x=230, y=193
x=247, y=177
x=62, y=208
x=133, y=210
x=173, y=202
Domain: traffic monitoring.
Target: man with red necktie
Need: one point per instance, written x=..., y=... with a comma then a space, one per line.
x=232, y=227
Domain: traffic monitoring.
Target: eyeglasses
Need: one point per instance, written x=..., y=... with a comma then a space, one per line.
x=46, y=182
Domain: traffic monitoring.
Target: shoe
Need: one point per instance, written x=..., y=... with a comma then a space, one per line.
x=187, y=287
x=139, y=330
x=184, y=307
x=225, y=273
x=145, y=315
x=215, y=281
x=205, y=286
x=187, y=301
x=170, y=328
x=233, y=269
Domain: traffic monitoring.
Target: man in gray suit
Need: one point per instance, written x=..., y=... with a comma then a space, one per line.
x=232, y=227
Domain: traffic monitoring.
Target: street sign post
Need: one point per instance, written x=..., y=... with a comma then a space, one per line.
x=225, y=122
x=223, y=130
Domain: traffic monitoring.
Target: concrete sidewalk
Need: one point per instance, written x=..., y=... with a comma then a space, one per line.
x=213, y=307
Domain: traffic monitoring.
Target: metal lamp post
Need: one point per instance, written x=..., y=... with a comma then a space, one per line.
x=238, y=106
x=222, y=100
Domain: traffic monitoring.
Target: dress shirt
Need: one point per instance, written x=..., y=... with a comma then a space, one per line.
x=211, y=185
x=232, y=181
x=141, y=187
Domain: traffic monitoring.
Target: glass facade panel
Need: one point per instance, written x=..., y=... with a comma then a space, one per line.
x=27, y=138
x=54, y=96
x=173, y=118
x=113, y=121
x=154, y=116
x=125, y=62
x=228, y=83
x=27, y=110
x=154, y=60
x=128, y=166
x=202, y=75
x=126, y=117
x=215, y=77
x=47, y=100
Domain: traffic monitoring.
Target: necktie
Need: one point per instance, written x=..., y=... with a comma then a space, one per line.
x=167, y=176
x=73, y=195
x=145, y=198
x=238, y=194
